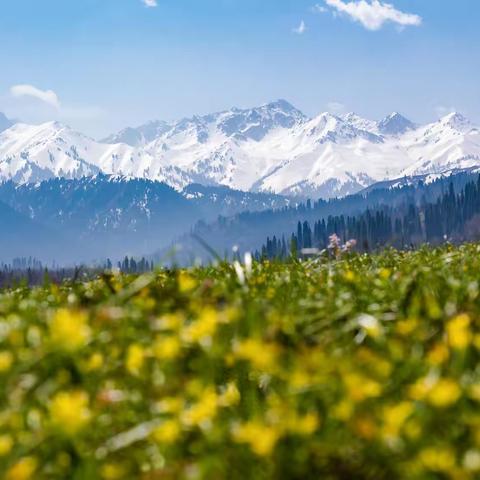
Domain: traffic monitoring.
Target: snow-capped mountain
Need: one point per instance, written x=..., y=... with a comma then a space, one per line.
x=271, y=148
x=139, y=136
x=453, y=143
x=395, y=124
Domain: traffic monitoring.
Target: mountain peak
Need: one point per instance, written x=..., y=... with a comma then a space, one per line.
x=455, y=120
x=138, y=136
x=280, y=104
x=255, y=123
x=56, y=125
x=359, y=122
x=273, y=147
x=395, y=124
x=350, y=116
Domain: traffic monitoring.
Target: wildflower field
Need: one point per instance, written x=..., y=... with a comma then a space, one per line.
x=359, y=367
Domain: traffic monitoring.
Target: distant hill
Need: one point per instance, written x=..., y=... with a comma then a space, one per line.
x=248, y=230
x=105, y=216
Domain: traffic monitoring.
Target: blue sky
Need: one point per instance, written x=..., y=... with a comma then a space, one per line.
x=100, y=65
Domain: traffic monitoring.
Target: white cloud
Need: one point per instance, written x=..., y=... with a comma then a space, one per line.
x=373, y=14
x=150, y=3
x=336, y=108
x=301, y=29
x=319, y=9
x=47, y=96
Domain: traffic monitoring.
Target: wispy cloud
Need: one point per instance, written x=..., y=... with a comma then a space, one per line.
x=47, y=96
x=150, y=3
x=319, y=9
x=301, y=29
x=336, y=108
x=23, y=100
x=373, y=15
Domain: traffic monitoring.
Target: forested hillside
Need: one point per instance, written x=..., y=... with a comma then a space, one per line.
x=249, y=230
x=453, y=216
x=87, y=219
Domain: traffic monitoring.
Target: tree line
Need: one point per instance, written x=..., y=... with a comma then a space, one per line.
x=451, y=217
x=31, y=271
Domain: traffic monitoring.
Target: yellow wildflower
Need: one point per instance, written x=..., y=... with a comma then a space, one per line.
x=438, y=354
x=304, y=424
x=343, y=410
x=407, y=326
x=6, y=361
x=394, y=417
x=260, y=437
x=349, y=276
x=24, y=469
x=375, y=362
x=135, y=359
x=167, y=348
x=186, y=282
x=194, y=387
x=438, y=459
x=440, y=393
x=459, y=333
x=202, y=329
x=474, y=392
x=385, y=273
x=420, y=389
x=168, y=432
x=94, y=362
x=476, y=341
x=69, y=412
x=69, y=329
x=413, y=429
x=444, y=393
x=203, y=411
x=230, y=397
x=359, y=387
x=230, y=314
x=6, y=445
x=112, y=471
x=300, y=379
x=263, y=356
x=171, y=405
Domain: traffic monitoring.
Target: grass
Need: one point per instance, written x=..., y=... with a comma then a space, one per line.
x=364, y=366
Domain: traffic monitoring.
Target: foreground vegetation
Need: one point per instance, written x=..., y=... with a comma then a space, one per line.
x=360, y=367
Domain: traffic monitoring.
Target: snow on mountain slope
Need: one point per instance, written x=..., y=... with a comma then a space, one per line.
x=38, y=152
x=271, y=148
x=361, y=123
x=329, y=156
x=450, y=144
x=142, y=135
x=32, y=153
x=395, y=124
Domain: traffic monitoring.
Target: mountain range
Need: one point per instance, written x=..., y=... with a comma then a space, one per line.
x=273, y=148
x=71, y=220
